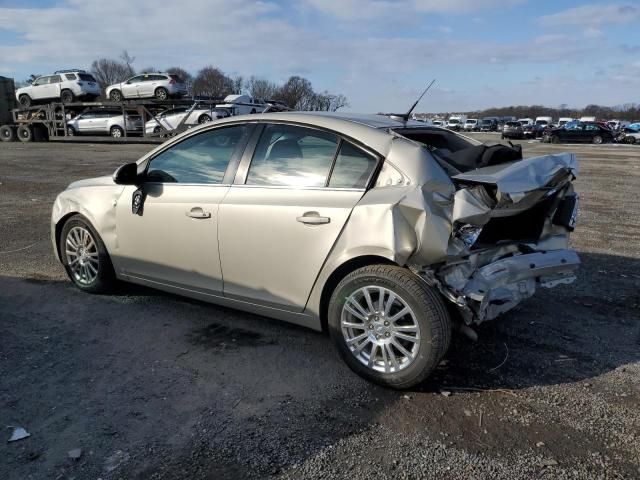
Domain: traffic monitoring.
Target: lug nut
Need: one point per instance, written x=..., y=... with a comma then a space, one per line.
x=386, y=324
x=387, y=334
x=370, y=326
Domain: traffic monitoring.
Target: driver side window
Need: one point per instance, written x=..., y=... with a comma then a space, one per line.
x=201, y=159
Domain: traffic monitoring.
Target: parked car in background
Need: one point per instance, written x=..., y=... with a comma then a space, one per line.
x=631, y=135
x=104, y=122
x=564, y=120
x=243, y=104
x=544, y=121
x=525, y=121
x=471, y=125
x=580, y=132
x=159, y=85
x=367, y=232
x=64, y=85
x=171, y=119
x=512, y=130
x=489, y=124
x=456, y=122
x=439, y=123
x=587, y=119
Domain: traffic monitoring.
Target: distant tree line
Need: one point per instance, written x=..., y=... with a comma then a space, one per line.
x=296, y=92
x=627, y=111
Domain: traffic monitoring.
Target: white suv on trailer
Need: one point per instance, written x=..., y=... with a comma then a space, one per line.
x=63, y=85
x=148, y=85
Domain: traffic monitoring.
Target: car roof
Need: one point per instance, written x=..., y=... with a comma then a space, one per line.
x=371, y=130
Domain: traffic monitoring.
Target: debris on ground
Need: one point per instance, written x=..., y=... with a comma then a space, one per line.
x=18, y=434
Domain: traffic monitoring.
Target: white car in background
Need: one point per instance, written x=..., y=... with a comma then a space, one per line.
x=171, y=119
x=471, y=125
x=439, y=123
x=63, y=85
x=243, y=104
x=159, y=85
x=104, y=122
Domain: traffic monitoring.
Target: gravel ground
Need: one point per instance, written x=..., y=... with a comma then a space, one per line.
x=153, y=386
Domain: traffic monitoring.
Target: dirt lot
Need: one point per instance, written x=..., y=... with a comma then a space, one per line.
x=153, y=386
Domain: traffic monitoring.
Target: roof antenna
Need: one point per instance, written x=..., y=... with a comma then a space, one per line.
x=405, y=116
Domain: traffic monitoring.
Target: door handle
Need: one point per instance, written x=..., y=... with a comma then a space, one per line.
x=313, y=218
x=197, y=212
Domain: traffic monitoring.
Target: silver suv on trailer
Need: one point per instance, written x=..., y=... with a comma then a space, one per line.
x=104, y=122
x=148, y=85
x=64, y=85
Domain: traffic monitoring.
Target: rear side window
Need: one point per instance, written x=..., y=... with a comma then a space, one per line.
x=201, y=159
x=292, y=156
x=353, y=168
x=70, y=76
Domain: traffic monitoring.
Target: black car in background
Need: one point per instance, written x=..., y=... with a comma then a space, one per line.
x=580, y=132
x=489, y=125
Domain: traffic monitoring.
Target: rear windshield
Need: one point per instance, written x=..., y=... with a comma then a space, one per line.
x=487, y=122
x=86, y=77
x=176, y=78
x=513, y=124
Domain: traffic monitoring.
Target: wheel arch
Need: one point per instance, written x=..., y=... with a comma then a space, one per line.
x=338, y=274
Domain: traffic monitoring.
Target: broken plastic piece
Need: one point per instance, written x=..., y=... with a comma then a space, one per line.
x=18, y=434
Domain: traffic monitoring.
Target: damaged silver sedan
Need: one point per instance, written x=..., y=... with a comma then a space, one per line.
x=386, y=233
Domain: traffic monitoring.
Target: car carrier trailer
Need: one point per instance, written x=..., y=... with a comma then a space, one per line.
x=48, y=121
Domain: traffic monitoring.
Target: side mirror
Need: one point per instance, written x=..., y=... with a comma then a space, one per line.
x=127, y=174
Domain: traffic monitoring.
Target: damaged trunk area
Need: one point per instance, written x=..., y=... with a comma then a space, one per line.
x=510, y=227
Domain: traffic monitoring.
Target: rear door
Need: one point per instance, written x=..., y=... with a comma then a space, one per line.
x=288, y=204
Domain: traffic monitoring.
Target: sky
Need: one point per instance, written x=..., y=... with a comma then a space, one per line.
x=379, y=53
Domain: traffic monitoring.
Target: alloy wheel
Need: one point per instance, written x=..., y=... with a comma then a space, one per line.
x=82, y=257
x=380, y=329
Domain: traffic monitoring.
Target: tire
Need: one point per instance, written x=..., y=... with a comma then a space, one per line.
x=71, y=132
x=161, y=93
x=96, y=274
x=597, y=140
x=427, y=317
x=555, y=139
x=157, y=129
x=115, y=95
x=116, y=132
x=501, y=137
x=629, y=140
x=67, y=96
x=7, y=133
x=25, y=134
x=253, y=110
x=25, y=101
x=204, y=118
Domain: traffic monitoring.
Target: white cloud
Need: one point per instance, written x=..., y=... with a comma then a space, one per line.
x=598, y=14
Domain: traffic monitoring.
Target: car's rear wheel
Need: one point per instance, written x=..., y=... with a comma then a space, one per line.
x=66, y=96
x=204, y=118
x=161, y=93
x=25, y=134
x=85, y=257
x=25, y=101
x=115, y=96
x=7, y=133
x=116, y=132
x=597, y=139
x=388, y=325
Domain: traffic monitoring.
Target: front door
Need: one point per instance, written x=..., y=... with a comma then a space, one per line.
x=277, y=227
x=130, y=87
x=173, y=238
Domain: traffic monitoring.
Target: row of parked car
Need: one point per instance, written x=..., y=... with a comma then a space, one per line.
x=575, y=131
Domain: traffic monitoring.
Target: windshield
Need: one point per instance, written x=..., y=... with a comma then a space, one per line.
x=472, y=121
x=487, y=122
x=454, y=121
x=513, y=124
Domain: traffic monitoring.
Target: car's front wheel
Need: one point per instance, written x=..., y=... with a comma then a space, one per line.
x=85, y=257
x=25, y=101
x=388, y=325
x=115, y=96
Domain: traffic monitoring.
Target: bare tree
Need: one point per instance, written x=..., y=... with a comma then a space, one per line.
x=211, y=82
x=261, y=88
x=238, y=84
x=108, y=71
x=297, y=93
